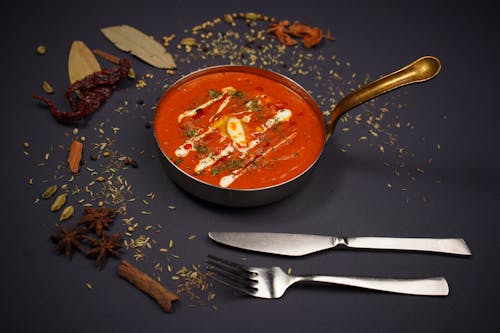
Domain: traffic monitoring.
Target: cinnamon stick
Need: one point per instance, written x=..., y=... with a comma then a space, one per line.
x=75, y=155
x=146, y=284
x=107, y=56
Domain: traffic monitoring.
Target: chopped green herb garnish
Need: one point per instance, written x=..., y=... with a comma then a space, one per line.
x=235, y=163
x=254, y=105
x=212, y=93
x=202, y=149
x=216, y=170
x=191, y=132
x=238, y=94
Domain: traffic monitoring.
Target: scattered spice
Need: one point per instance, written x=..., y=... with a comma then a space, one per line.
x=310, y=36
x=279, y=29
x=93, y=90
x=49, y=192
x=97, y=219
x=284, y=32
x=47, y=87
x=107, y=56
x=75, y=155
x=188, y=41
x=143, y=282
x=193, y=282
x=104, y=246
x=41, y=49
x=59, y=202
x=81, y=62
x=66, y=240
x=130, y=39
x=67, y=213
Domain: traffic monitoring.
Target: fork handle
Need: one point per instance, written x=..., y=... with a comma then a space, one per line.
x=435, y=286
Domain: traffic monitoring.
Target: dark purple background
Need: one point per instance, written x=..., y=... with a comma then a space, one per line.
x=43, y=292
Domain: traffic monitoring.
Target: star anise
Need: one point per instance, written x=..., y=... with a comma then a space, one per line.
x=97, y=219
x=104, y=246
x=66, y=240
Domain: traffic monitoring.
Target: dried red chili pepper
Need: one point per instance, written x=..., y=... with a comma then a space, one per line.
x=284, y=32
x=310, y=36
x=279, y=29
x=93, y=90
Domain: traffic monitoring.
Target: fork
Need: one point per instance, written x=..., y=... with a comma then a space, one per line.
x=272, y=282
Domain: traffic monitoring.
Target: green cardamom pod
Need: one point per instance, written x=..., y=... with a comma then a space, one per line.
x=67, y=213
x=59, y=202
x=49, y=191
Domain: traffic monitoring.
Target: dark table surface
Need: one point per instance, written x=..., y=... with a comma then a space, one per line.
x=444, y=183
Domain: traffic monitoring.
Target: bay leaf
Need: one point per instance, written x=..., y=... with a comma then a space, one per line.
x=81, y=62
x=144, y=47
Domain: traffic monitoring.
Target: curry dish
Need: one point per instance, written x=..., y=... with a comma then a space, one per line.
x=238, y=130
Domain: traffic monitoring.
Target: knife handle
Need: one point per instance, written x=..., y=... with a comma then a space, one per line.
x=442, y=245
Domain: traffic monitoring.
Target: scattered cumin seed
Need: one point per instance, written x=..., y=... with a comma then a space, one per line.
x=41, y=49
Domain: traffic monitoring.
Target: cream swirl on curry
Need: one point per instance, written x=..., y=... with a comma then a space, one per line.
x=238, y=130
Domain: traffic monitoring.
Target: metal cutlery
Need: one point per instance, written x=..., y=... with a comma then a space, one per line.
x=272, y=282
x=301, y=244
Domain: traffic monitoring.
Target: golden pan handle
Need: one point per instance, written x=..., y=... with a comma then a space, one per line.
x=420, y=70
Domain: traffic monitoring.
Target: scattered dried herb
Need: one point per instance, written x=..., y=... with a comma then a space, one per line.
x=93, y=90
x=193, y=282
x=129, y=39
x=81, y=62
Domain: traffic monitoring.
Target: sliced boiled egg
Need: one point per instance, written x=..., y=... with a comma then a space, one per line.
x=236, y=131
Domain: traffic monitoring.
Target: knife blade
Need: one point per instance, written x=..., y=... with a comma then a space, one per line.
x=301, y=244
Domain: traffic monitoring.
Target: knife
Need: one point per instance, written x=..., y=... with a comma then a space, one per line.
x=302, y=244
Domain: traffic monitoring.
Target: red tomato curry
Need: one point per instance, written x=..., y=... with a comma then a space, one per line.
x=238, y=130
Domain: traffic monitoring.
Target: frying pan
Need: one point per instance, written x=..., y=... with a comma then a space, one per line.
x=420, y=70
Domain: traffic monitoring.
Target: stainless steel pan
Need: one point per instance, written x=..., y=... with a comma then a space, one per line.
x=420, y=70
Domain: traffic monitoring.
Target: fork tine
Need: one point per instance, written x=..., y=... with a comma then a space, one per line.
x=231, y=274
x=222, y=278
x=229, y=266
x=229, y=263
